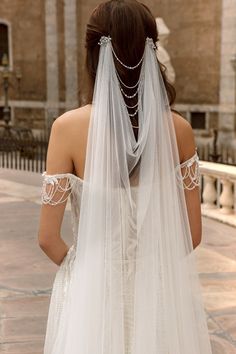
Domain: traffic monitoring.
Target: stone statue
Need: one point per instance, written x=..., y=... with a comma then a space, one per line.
x=162, y=53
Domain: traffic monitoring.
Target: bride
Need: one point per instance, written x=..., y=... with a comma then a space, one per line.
x=128, y=163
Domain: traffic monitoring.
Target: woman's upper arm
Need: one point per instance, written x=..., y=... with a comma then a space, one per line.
x=59, y=155
x=55, y=190
x=190, y=179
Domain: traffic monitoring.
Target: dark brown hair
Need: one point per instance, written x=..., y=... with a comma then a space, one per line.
x=128, y=22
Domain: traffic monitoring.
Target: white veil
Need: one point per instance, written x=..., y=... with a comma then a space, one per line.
x=134, y=286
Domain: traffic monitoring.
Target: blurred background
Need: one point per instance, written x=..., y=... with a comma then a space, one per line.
x=41, y=76
x=42, y=62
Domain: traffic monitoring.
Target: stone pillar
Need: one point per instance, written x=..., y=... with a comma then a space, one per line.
x=227, y=75
x=52, y=77
x=71, y=53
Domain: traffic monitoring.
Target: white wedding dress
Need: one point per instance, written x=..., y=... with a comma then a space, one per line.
x=56, y=189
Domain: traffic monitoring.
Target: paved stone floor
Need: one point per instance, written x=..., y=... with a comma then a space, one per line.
x=26, y=275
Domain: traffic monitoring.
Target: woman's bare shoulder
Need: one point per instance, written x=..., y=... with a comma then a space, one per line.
x=71, y=130
x=184, y=136
x=73, y=118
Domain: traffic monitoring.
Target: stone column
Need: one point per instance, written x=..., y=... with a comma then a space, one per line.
x=227, y=75
x=71, y=53
x=52, y=77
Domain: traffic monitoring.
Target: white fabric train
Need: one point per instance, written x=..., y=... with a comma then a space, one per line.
x=129, y=284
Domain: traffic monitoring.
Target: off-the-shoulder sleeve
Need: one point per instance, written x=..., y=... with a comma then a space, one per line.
x=56, y=188
x=188, y=173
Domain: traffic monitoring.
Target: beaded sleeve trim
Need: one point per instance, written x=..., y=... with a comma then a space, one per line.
x=188, y=175
x=56, y=189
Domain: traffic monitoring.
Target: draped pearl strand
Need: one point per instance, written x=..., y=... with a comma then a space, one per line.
x=104, y=40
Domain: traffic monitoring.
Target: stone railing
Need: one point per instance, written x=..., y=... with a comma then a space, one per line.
x=218, y=189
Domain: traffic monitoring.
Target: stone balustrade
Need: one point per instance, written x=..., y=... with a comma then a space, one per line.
x=218, y=191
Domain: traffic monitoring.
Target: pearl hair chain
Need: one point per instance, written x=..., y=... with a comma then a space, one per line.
x=124, y=65
x=132, y=106
x=106, y=39
x=127, y=96
x=128, y=87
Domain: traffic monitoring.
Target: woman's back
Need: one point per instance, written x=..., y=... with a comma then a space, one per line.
x=67, y=153
x=72, y=130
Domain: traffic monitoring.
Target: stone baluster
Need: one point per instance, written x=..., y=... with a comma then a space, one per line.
x=209, y=194
x=218, y=199
x=227, y=197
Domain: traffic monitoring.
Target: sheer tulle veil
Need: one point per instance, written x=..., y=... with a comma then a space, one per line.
x=134, y=285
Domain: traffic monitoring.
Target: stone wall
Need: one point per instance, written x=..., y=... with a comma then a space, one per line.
x=26, y=19
x=28, y=45
x=194, y=45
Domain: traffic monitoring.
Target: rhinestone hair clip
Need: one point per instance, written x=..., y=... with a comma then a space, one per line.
x=106, y=39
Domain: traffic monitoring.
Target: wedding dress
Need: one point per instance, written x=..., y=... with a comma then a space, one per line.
x=128, y=284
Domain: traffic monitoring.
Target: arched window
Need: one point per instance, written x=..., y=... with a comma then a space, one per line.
x=4, y=41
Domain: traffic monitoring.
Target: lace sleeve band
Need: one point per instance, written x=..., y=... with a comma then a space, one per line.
x=56, y=188
x=188, y=173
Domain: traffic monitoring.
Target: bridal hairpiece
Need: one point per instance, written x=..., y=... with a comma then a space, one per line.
x=104, y=40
